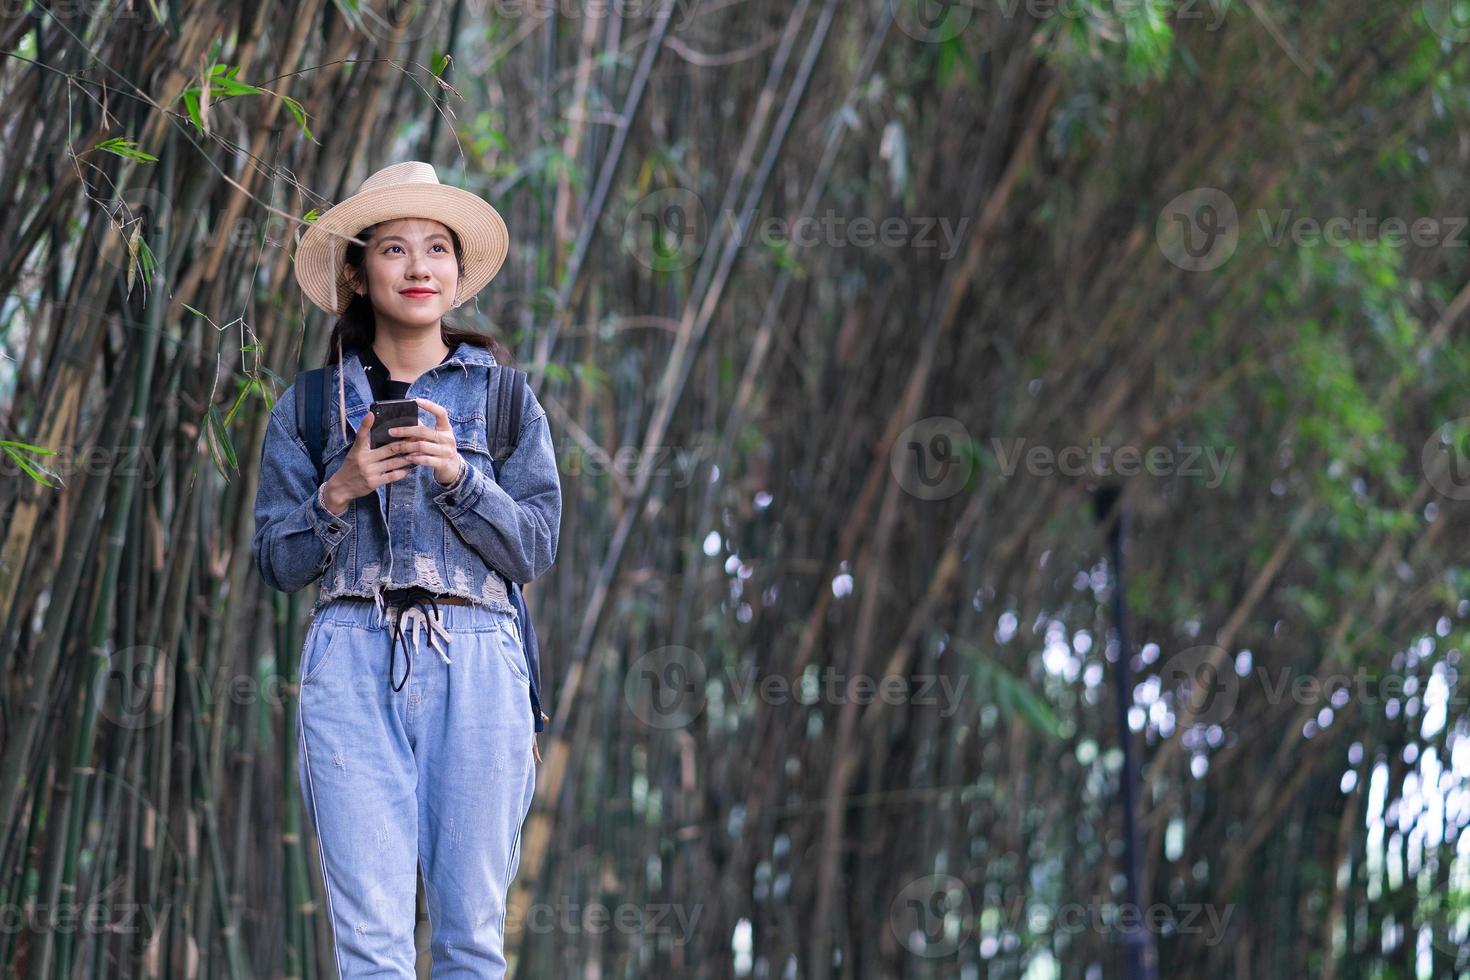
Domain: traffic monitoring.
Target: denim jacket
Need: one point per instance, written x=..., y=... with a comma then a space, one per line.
x=456, y=540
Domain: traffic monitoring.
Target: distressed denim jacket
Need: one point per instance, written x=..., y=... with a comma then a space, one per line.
x=457, y=540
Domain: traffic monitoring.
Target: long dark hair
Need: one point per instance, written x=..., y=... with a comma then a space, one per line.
x=358, y=324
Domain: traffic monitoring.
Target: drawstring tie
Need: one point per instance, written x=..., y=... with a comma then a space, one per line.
x=415, y=608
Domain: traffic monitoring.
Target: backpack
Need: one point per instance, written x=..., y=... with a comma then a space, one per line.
x=508, y=392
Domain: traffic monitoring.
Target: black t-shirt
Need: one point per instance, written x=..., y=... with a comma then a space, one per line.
x=384, y=387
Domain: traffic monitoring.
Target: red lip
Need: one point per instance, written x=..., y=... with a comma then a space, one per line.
x=418, y=292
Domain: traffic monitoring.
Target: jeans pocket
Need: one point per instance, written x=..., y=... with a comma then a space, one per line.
x=508, y=642
x=324, y=639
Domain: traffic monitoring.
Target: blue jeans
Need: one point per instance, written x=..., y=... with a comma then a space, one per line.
x=438, y=774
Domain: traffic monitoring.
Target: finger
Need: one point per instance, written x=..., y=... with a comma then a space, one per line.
x=389, y=476
x=395, y=448
x=441, y=417
x=445, y=436
x=393, y=466
x=364, y=431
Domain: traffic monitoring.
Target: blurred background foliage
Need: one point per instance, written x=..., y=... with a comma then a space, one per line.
x=790, y=400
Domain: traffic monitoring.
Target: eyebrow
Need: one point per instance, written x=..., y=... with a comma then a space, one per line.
x=399, y=238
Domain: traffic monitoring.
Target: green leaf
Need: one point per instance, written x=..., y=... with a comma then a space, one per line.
x=126, y=148
x=219, y=441
x=245, y=390
x=191, y=106
x=19, y=451
x=1012, y=694
x=296, y=110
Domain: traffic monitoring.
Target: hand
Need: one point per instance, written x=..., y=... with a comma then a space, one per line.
x=364, y=470
x=435, y=448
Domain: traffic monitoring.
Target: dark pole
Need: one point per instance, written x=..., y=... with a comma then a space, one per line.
x=1140, y=955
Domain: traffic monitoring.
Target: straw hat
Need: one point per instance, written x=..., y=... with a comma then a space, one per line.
x=403, y=190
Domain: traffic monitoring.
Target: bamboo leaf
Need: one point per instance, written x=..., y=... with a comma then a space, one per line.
x=1012, y=694
x=126, y=148
x=21, y=452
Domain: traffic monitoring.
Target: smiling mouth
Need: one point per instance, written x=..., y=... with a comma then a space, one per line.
x=418, y=293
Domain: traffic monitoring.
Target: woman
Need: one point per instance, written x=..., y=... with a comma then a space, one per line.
x=416, y=540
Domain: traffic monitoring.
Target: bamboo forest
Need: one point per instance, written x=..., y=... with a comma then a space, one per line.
x=1014, y=464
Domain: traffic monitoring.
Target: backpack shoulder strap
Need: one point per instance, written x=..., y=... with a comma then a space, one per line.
x=504, y=406
x=311, y=422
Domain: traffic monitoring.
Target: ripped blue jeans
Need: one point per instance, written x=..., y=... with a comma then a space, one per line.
x=437, y=775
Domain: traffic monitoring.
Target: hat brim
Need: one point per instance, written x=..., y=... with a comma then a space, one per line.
x=483, y=237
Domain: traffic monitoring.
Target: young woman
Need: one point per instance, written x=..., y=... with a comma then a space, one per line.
x=430, y=764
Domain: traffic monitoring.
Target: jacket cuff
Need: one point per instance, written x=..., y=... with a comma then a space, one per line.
x=460, y=495
x=464, y=471
x=330, y=527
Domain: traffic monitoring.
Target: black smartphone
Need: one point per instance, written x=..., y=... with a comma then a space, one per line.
x=390, y=415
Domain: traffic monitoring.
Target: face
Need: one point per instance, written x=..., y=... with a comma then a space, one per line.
x=411, y=272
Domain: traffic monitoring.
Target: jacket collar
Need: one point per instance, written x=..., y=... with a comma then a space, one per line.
x=358, y=391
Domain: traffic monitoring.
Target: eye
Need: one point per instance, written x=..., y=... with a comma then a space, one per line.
x=440, y=245
x=391, y=247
